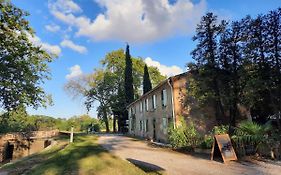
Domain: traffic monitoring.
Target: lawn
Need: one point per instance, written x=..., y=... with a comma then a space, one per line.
x=84, y=156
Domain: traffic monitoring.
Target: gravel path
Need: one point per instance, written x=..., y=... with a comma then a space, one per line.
x=174, y=163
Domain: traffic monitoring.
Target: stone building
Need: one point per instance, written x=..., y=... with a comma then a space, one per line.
x=152, y=114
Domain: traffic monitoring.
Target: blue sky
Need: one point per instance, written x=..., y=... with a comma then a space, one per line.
x=81, y=32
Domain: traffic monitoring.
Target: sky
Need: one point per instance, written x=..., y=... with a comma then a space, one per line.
x=81, y=32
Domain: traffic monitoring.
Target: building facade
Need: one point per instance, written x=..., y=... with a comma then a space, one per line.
x=152, y=114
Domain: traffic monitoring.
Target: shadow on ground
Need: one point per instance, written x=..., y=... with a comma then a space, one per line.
x=147, y=167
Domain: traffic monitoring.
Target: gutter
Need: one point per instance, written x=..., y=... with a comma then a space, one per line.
x=173, y=107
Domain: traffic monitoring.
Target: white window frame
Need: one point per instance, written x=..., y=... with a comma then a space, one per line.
x=164, y=97
x=146, y=104
x=154, y=102
x=141, y=106
x=164, y=124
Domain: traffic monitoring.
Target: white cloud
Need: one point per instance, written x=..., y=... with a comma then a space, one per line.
x=65, y=6
x=73, y=46
x=136, y=20
x=52, y=49
x=74, y=72
x=164, y=70
x=52, y=28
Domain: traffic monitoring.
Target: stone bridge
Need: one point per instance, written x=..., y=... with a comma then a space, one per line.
x=20, y=144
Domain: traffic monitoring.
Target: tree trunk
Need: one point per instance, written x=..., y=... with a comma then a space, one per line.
x=105, y=120
x=218, y=104
x=114, y=122
x=119, y=122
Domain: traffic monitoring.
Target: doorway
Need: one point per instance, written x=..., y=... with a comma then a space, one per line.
x=154, y=129
x=8, y=154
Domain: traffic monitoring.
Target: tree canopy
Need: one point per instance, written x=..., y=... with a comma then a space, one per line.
x=107, y=82
x=23, y=66
x=238, y=63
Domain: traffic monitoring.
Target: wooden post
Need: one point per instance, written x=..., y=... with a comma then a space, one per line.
x=71, y=134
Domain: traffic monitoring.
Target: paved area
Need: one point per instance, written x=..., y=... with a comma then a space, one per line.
x=174, y=163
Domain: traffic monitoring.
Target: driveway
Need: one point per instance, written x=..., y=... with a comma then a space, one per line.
x=174, y=163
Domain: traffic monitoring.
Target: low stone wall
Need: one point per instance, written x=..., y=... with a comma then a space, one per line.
x=20, y=144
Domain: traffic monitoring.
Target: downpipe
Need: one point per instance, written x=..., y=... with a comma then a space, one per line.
x=173, y=107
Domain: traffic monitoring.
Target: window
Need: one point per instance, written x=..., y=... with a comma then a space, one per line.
x=146, y=126
x=140, y=125
x=146, y=104
x=164, y=97
x=154, y=102
x=164, y=125
x=133, y=123
x=164, y=122
x=141, y=106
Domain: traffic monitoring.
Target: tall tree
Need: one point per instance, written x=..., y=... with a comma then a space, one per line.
x=128, y=84
x=113, y=65
x=23, y=66
x=206, y=56
x=273, y=32
x=146, y=80
x=101, y=90
x=259, y=75
x=230, y=68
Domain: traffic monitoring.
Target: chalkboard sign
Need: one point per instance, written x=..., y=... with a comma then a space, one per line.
x=222, y=144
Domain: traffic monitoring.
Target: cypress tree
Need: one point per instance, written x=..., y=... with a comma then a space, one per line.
x=146, y=80
x=129, y=89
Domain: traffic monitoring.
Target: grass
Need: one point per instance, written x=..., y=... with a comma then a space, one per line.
x=84, y=156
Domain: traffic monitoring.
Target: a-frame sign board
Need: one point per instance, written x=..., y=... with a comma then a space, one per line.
x=222, y=146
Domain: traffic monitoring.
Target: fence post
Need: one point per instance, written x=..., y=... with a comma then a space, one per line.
x=71, y=135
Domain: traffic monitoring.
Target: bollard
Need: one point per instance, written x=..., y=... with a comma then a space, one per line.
x=71, y=135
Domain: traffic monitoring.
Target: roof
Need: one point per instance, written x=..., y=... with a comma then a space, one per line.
x=156, y=87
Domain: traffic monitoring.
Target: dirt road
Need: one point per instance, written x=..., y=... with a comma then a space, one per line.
x=174, y=163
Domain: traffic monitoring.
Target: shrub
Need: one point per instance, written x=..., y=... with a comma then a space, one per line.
x=192, y=135
x=96, y=127
x=184, y=136
x=249, y=133
x=177, y=136
x=221, y=129
x=207, y=142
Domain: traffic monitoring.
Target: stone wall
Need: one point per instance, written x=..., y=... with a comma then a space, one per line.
x=24, y=143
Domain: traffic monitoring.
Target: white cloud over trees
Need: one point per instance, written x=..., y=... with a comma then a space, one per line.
x=131, y=20
x=164, y=70
x=74, y=72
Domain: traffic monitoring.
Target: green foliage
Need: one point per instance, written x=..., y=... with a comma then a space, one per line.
x=14, y=121
x=207, y=143
x=238, y=63
x=193, y=137
x=249, y=132
x=221, y=129
x=23, y=66
x=106, y=84
x=184, y=136
x=19, y=121
x=146, y=81
x=128, y=84
x=177, y=136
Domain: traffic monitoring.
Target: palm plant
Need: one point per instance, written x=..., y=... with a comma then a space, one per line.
x=251, y=133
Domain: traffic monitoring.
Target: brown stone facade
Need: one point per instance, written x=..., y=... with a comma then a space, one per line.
x=153, y=123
